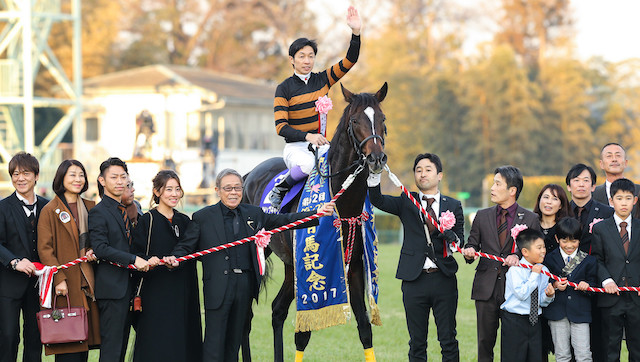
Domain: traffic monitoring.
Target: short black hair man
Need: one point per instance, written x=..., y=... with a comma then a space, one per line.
x=19, y=215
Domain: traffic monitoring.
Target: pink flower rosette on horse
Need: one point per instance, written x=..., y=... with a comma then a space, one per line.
x=323, y=106
x=595, y=221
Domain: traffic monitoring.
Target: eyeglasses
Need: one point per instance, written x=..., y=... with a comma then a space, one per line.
x=232, y=188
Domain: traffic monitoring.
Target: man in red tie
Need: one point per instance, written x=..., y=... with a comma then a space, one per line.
x=426, y=267
x=491, y=233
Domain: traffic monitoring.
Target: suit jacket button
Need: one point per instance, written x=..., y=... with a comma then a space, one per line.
x=569, y=297
x=502, y=255
x=495, y=268
x=226, y=272
x=226, y=257
x=626, y=261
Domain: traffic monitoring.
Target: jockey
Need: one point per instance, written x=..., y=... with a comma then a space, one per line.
x=294, y=106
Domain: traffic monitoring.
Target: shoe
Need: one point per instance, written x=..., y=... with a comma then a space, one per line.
x=279, y=190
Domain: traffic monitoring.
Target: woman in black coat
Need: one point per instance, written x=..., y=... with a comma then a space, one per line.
x=169, y=326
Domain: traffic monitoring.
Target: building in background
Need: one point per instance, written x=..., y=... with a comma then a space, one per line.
x=165, y=116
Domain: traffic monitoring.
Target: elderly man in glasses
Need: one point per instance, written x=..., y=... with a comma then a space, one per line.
x=231, y=277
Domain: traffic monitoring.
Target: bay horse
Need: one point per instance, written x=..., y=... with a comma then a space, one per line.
x=358, y=141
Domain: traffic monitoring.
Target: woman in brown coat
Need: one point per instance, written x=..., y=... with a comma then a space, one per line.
x=62, y=237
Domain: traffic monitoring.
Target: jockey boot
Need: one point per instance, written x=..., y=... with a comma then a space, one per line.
x=369, y=356
x=279, y=190
x=299, y=355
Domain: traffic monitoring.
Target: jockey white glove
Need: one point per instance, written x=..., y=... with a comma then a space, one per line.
x=374, y=179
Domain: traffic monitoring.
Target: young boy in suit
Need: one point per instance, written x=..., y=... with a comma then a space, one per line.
x=526, y=290
x=615, y=245
x=570, y=313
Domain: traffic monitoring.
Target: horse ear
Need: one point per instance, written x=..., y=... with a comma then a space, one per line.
x=348, y=96
x=382, y=93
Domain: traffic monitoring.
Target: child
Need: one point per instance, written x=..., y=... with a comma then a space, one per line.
x=521, y=332
x=570, y=313
x=615, y=245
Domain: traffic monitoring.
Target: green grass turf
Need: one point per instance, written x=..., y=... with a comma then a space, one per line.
x=341, y=343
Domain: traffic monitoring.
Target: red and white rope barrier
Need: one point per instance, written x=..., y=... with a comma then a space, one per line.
x=397, y=182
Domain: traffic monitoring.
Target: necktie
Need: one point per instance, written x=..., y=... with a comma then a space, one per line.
x=579, y=215
x=624, y=236
x=431, y=213
x=533, y=311
x=502, y=228
x=127, y=223
x=32, y=214
x=236, y=222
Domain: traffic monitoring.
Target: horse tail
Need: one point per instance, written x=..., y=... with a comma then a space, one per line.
x=268, y=269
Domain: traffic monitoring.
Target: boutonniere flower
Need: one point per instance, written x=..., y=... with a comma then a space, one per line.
x=516, y=229
x=447, y=220
x=324, y=105
x=263, y=239
x=595, y=221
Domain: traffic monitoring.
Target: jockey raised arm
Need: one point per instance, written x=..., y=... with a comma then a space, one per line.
x=294, y=105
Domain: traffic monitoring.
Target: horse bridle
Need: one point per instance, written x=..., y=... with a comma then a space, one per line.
x=357, y=145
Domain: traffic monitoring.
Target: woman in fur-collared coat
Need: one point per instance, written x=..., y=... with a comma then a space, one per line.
x=63, y=237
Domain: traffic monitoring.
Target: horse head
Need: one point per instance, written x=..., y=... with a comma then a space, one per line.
x=364, y=121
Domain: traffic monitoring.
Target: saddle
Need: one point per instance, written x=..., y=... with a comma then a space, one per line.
x=285, y=207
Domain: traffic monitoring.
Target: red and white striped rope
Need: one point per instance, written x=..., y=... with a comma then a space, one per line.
x=353, y=222
x=397, y=182
x=345, y=185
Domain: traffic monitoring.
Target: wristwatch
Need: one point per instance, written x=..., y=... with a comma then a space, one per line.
x=14, y=263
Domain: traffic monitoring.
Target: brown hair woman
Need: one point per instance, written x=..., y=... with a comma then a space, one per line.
x=62, y=237
x=169, y=327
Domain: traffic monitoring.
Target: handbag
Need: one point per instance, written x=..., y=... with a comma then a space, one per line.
x=137, y=299
x=63, y=325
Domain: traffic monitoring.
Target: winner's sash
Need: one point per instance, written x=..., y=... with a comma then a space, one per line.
x=322, y=298
x=321, y=289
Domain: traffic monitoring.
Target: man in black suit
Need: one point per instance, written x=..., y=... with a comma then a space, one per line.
x=491, y=233
x=581, y=180
x=231, y=277
x=18, y=237
x=616, y=245
x=426, y=267
x=613, y=161
x=110, y=237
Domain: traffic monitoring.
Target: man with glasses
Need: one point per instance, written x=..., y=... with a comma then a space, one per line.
x=232, y=276
x=19, y=214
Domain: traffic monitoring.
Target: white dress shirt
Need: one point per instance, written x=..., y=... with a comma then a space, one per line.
x=26, y=210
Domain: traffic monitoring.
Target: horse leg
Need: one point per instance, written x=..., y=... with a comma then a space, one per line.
x=358, y=300
x=280, y=310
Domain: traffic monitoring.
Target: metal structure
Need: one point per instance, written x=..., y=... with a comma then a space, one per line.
x=25, y=26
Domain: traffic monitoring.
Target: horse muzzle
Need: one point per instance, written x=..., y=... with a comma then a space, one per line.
x=376, y=161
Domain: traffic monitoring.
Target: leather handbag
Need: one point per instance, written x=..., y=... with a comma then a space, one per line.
x=137, y=299
x=64, y=325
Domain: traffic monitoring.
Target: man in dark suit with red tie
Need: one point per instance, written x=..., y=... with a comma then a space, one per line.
x=110, y=238
x=426, y=267
x=491, y=233
x=19, y=214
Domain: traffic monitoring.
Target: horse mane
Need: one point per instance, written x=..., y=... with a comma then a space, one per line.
x=360, y=100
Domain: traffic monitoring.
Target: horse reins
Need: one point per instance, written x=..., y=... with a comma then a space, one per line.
x=356, y=145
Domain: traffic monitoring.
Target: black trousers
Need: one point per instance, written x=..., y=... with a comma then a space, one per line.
x=224, y=326
x=114, y=314
x=488, y=321
x=625, y=314
x=437, y=292
x=598, y=339
x=10, y=326
x=520, y=341
x=73, y=357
